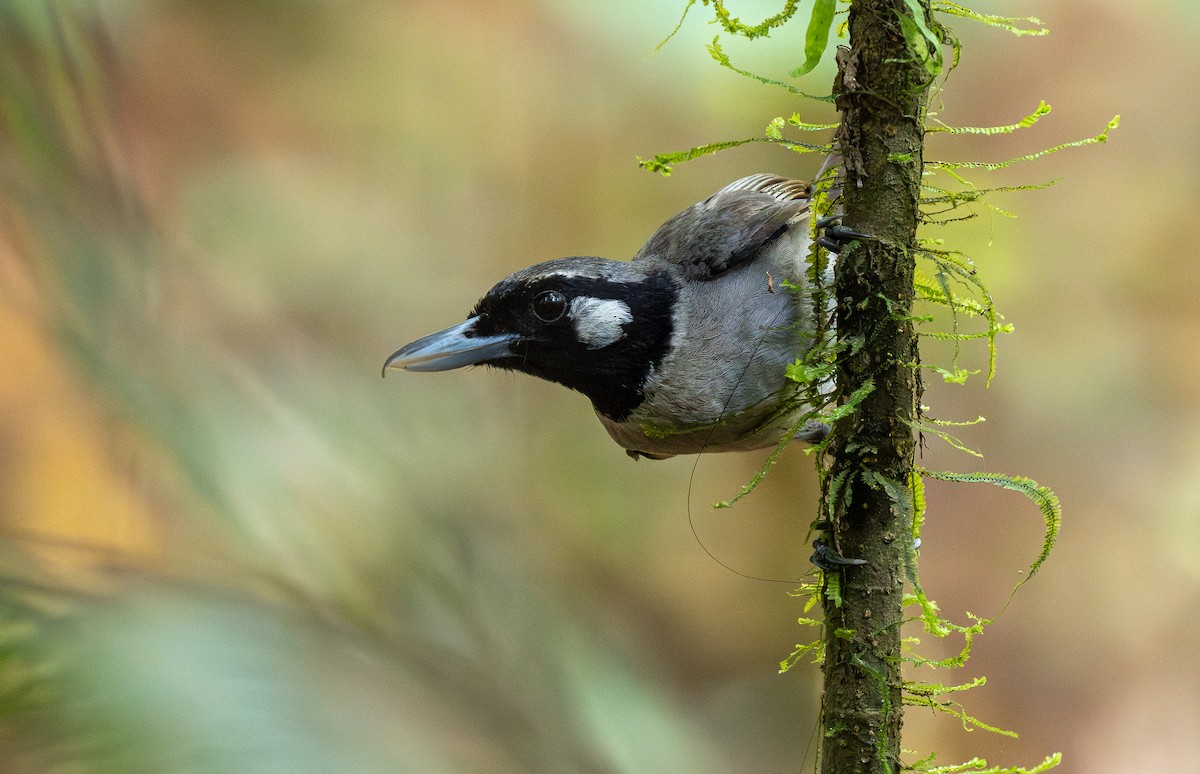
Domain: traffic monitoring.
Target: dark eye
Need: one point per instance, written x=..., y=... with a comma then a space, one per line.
x=550, y=305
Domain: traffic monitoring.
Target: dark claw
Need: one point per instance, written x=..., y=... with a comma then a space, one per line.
x=636, y=455
x=827, y=559
x=813, y=432
x=843, y=234
x=834, y=237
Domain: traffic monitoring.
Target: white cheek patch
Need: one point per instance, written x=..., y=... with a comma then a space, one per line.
x=600, y=322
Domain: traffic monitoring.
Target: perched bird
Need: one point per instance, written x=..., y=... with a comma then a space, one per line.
x=681, y=350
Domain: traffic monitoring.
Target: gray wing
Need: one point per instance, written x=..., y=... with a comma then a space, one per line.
x=729, y=227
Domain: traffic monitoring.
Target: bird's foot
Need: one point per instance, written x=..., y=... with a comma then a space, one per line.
x=834, y=237
x=828, y=559
x=636, y=455
x=813, y=432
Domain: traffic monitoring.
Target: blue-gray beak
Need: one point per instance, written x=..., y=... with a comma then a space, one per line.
x=452, y=348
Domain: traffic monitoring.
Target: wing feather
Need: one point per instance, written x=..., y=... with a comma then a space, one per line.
x=729, y=227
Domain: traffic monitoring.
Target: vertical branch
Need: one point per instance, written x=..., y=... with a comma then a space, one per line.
x=880, y=89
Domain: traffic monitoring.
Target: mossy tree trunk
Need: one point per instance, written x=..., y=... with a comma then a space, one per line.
x=880, y=90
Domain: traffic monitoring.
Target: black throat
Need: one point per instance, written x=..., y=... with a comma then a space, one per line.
x=613, y=376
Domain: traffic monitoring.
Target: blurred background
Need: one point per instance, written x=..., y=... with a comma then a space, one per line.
x=227, y=545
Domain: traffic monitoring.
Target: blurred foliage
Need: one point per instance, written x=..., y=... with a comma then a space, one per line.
x=226, y=545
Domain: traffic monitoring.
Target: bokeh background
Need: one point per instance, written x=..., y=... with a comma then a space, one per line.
x=227, y=545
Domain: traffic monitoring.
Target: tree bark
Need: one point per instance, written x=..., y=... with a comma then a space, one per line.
x=880, y=90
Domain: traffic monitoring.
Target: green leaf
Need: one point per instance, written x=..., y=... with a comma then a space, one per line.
x=807, y=373
x=851, y=403
x=916, y=485
x=817, y=649
x=923, y=44
x=918, y=16
x=817, y=36
x=807, y=127
x=956, y=376
x=833, y=587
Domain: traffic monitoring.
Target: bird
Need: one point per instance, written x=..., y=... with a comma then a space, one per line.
x=683, y=349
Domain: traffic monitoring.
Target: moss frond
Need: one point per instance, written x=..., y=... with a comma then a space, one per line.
x=980, y=766
x=1043, y=497
x=736, y=26
x=1011, y=23
x=992, y=166
x=1026, y=122
x=718, y=54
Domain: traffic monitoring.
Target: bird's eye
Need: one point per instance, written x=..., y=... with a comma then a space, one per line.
x=550, y=305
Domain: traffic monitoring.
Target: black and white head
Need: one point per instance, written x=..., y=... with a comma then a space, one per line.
x=591, y=324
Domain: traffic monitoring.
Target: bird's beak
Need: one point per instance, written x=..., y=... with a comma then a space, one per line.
x=452, y=348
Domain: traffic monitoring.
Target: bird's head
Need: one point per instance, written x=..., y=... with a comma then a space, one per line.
x=594, y=325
